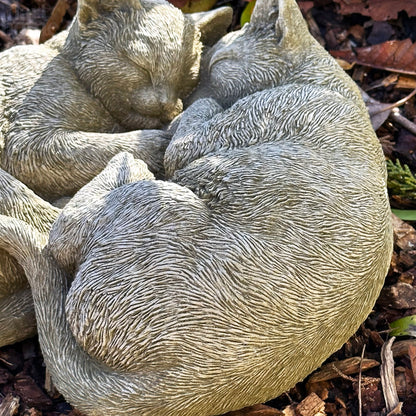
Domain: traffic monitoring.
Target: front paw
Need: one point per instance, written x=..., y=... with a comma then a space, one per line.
x=151, y=147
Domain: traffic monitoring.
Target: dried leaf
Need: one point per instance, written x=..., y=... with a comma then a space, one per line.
x=380, y=32
x=377, y=9
x=393, y=55
x=387, y=376
x=55, y=20
x=378, y=112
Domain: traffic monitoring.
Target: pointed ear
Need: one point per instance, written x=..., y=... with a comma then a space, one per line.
x=265, y=13
x=285, y=17
x=291, y=27
x=212, y=24
x=89, y=10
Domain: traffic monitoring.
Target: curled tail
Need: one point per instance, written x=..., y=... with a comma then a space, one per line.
x=21, y=241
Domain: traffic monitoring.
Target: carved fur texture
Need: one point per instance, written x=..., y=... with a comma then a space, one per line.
x=17, y=315
x=69, y=105
x=234, y=279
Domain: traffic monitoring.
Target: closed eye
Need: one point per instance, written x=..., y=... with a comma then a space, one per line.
x=138, y=68
x=220, y=57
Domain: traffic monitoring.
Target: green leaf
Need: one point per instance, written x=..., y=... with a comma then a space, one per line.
x=404, y=326
x=401, y=181
x=246, y=15
x=405, y=214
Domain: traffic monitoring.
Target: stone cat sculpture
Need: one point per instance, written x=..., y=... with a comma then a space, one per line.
x=69, y=105
x=17, y=316
x=234, y=279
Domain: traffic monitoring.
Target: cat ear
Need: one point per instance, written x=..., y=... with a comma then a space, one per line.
x=89, y=10
x=265, y=13
x=212, y=24
x=285, y=17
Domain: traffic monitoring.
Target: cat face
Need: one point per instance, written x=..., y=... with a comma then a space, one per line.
x=140, y=62
x=240, y=64
x=251, y=61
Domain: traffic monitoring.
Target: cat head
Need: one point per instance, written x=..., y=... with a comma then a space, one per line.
x=259, y=56
x=140, y=58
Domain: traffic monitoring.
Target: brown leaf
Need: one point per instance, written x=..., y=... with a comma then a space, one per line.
x=378, y=112
x=377, y=9
x=393, y=55
x=380, y=32
x=55, y=20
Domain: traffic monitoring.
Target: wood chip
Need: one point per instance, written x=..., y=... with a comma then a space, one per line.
x=30, y=393
x=401, y=348
x=347, y=366
x=312, y=405
x=9, y=406
x=5, y=376
x=398, y=296
x=406, y=82
x=404, y=234
x=396, y=411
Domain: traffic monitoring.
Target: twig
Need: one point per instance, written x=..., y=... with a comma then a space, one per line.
x=395, y=105
x=403, y=121
x=360, y=402
x=341, y=374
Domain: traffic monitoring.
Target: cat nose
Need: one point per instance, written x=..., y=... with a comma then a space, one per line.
x=170, y=108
